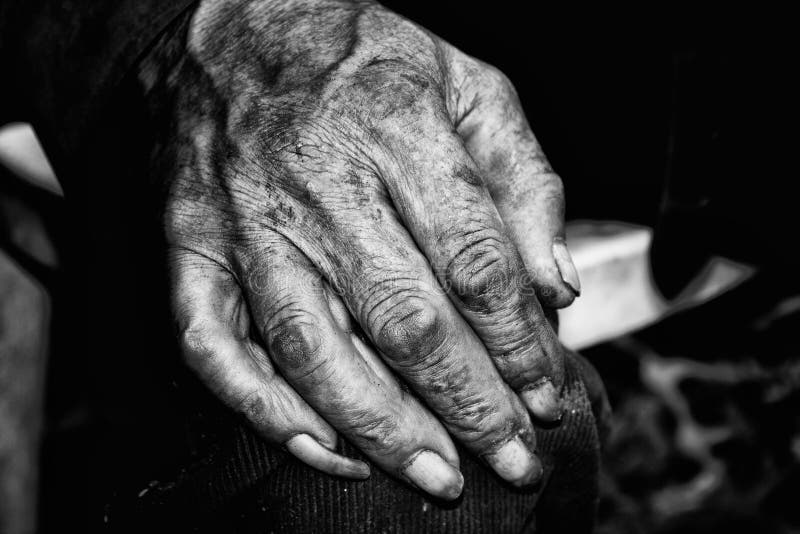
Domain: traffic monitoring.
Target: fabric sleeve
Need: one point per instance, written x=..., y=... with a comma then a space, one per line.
x=66, y=57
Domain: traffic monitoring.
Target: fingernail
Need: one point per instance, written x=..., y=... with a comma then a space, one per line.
x=310, y=451
x=543, y=400
x=569, y=274
x=429, y=472
x=515, y=463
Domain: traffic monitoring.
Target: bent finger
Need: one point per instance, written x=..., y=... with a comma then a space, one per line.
x=320, y=360
x=390, y=289
x=213, y=327
x=469, y=248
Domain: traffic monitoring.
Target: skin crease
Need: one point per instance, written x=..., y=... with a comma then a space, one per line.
x=327, y=163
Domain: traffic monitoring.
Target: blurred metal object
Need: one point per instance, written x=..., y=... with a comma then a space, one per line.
x=24, y=322
x=618, y=293
x=28, y=258
x=21, y=153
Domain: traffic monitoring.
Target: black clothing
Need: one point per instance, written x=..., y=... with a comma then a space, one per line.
x=66, y=60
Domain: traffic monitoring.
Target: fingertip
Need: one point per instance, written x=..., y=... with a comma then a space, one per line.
x=547, y=280
x=432, y=474
x=566, y=266
x=516, y=463
x=359, y=470
x=311, y=452
x=543, y=401
x=553, y=292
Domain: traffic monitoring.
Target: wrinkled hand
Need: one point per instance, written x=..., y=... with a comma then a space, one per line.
x=331, y=160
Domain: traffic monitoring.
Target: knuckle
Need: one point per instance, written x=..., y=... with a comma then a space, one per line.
x=377, y=432
x=394, y=89
x=522, y=346
x=294, y=339
x=474, y=408
x=180, y=219
x=478, y=420
x=549, y=187
x=253, y=405
x=481, y=270
x=498, y=80
x=407, y=328
x=525, y=350
x=554, y=184
x=521, y=359
x=195, y=344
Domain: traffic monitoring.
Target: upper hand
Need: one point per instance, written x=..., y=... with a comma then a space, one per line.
x=331, y=160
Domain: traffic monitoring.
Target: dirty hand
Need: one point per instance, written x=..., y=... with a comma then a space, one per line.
x=330, y=169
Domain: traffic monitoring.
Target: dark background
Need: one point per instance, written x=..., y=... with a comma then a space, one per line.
x=683, y=120
x=627, y=99
x=668, y=117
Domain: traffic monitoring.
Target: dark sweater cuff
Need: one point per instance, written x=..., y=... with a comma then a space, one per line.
x=68, y=58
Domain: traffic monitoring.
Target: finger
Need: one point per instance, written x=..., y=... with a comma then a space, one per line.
x=388, y=287
x=213, y=326
x=345, y=322
x=526, y=191
x=507, y=462
x=320, y=360
x=470, y=251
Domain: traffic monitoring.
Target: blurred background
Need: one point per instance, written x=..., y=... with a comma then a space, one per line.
x=668, y=129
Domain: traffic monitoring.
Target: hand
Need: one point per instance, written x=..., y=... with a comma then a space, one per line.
x=326, y=160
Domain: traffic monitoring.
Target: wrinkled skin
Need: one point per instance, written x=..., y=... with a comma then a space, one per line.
x=331, y=171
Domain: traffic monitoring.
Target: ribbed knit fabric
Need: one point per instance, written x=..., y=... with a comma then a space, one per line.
x=247, y=486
